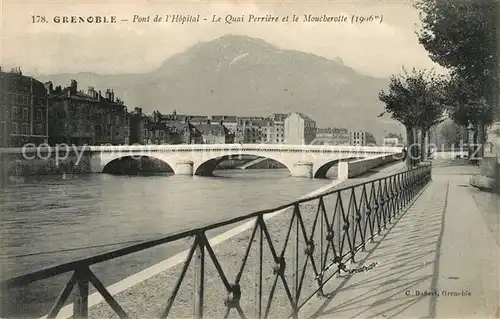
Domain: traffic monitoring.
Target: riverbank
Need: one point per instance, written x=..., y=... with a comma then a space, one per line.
x=145, y=294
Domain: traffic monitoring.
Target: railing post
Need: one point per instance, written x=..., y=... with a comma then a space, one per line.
x=258, y=283
x=200, y=275
x=296, y=273
x=80, y=305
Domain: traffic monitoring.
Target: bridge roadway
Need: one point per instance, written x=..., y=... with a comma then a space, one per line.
x=302, y=160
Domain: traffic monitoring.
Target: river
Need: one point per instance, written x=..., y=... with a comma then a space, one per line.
x=50, y=220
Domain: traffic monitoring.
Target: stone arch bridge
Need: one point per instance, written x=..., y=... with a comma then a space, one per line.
x=302, y=160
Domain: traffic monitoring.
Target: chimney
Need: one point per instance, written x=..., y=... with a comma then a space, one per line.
x=108, y=94
x=99, y=96
x=208, y=121
x=112, y=95
x=73, y=86
x=91, y=91
x=49, y=87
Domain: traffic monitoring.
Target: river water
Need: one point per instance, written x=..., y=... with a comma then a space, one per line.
x=50, y=220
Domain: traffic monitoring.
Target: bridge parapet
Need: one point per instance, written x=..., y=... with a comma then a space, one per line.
x=205, y=157
x=355, y=168
x=247, y=147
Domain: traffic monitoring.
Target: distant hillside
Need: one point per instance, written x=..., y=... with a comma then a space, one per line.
x=239, y=75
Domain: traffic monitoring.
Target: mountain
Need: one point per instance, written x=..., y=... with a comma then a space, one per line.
x=240, y=75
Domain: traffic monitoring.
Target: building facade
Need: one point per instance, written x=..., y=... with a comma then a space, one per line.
x=230, y=122
x=86, y=118
x=170, y=129
x=279, y=128
x=393, y=140
x=138, y=121
x=332, y=136
x=362, y=138
x=248, y=131
x=299, y=129
x=215, y=133
x=357, y=138
x=23, y=110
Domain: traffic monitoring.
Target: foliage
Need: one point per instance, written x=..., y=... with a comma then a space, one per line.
x=464, y=103
x=461, y=35
x=450, y=133
x=414, y=99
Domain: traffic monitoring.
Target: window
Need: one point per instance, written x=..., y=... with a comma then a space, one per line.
x=25, y=113
x=38, y=129
x=117, y=130
x=14, y=128
x=14, y=99
x=24, y=129
x=39, y=115
x=14, y=113
x=145, y=133
x=3, y=113
x=117, y=120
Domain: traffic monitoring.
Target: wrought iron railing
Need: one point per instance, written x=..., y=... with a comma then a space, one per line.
x=330, y=228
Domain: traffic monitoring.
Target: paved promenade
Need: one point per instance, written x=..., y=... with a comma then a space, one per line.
x=440, y=259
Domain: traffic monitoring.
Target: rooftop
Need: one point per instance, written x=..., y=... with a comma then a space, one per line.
x=210, y=129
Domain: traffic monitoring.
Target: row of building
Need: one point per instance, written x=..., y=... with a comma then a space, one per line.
x=36, y=112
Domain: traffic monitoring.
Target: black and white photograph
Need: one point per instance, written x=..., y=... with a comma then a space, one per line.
x=249, y=159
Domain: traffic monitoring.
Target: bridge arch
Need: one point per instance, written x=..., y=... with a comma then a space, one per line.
x=206, y=166
x=322, y=168
x=101, y=162
x=137, y=163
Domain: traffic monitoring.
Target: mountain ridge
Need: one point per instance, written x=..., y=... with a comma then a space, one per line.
x=245, y=76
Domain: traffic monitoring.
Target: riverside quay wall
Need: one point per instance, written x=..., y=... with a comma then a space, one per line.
x=66, y=159
x=44, y=161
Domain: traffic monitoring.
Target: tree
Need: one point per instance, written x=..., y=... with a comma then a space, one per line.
x=466, y=106
x=415, y=101
x=460, y=35
x=449, y=133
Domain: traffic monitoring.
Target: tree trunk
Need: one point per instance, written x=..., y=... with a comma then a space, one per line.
x=423, y=144
x=409, y=147
x=480, y=139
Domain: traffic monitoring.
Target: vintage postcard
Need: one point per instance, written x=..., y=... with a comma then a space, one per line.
x=249, y=159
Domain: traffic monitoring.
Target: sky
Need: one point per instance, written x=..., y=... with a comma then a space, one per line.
x=378, y=48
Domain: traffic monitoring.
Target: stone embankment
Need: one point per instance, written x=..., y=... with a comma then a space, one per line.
x=13, y=166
